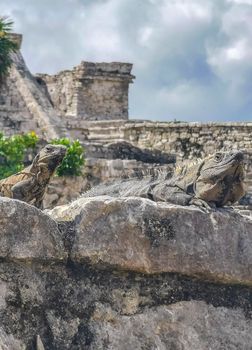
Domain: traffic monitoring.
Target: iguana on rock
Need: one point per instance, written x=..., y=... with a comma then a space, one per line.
x=29, y=185
x=215, y=181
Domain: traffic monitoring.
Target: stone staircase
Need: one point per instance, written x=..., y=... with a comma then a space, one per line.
x=105, y=131
x=102, y=132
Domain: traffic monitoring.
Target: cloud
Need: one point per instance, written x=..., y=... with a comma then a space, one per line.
x=192, y=59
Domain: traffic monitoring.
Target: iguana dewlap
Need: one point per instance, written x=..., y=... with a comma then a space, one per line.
x=29, y=185
x=217, y=180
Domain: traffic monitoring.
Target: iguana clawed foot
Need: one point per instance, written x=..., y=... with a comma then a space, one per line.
x=202, y=204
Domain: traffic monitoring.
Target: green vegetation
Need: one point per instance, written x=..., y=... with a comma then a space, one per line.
x=12, y=152
x=14, y=148
x=7, y=46
x=74, y=159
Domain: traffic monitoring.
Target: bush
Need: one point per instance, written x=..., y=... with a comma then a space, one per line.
x=74, y=159
x=12, y=152
x=7, y=46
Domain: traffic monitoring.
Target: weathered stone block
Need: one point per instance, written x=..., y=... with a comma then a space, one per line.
x=27, y=234
x=188, y=325
x=137, y=234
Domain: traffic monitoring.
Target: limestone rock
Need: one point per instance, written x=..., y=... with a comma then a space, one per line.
x=99, y=298
x=63, y=189
x=8, y=342
x=26, y=233
x=137, y=234
x=188, y=325
x=126, y=150
x=39, y=343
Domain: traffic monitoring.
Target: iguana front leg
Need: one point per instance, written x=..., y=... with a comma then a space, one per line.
x=22, y=190
x=39, y=203
x=202, y=204
x=171, y=194
x=175, y=195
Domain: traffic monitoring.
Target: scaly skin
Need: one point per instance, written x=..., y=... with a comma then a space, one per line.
x=215, y=181
x=29, y=185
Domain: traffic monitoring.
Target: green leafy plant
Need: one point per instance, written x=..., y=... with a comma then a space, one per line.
x=12, y=152
x=7, y=46
x=74, y=158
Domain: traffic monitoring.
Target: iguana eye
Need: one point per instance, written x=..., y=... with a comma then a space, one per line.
x=48, y=148
x=218, y=157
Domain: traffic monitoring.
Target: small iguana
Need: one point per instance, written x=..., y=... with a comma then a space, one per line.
x=29, y=185
x=213, y=182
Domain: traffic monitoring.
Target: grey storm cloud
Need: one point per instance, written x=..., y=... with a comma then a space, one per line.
x=192, y=58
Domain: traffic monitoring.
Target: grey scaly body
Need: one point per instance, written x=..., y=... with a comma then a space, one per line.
x=217, y=180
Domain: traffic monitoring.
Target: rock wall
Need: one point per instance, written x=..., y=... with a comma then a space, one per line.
x=186, y=140
x=14, y=113
x=123, y=274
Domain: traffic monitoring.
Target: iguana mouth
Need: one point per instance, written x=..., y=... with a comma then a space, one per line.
x=239, y=172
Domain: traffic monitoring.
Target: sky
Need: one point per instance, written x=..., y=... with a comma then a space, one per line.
x=192, y=58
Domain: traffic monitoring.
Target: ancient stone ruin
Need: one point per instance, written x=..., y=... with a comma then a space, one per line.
x=90, y=102
x=45, y=104
x=91, y=91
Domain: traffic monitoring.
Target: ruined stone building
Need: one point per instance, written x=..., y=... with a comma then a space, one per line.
x=51, y=104
x=91, y=91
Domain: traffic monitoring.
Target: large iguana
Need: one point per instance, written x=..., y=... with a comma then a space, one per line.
x=29, y=185
x=213, y=182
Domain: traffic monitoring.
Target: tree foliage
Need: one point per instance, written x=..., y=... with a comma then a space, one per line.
x=74, y=158
x=12, y=152
x=7, y=46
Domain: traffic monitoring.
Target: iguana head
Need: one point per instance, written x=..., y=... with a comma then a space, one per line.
x=49, y=158
x=220, y=178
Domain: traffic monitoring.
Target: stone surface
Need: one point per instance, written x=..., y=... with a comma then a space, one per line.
x=28, y=234
x=58, y=304
x=125, y=150
x=24, y=106
x=8, y=342
x=62, y=190
x=137, y=234
x=187, y=325
x=81, y=307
